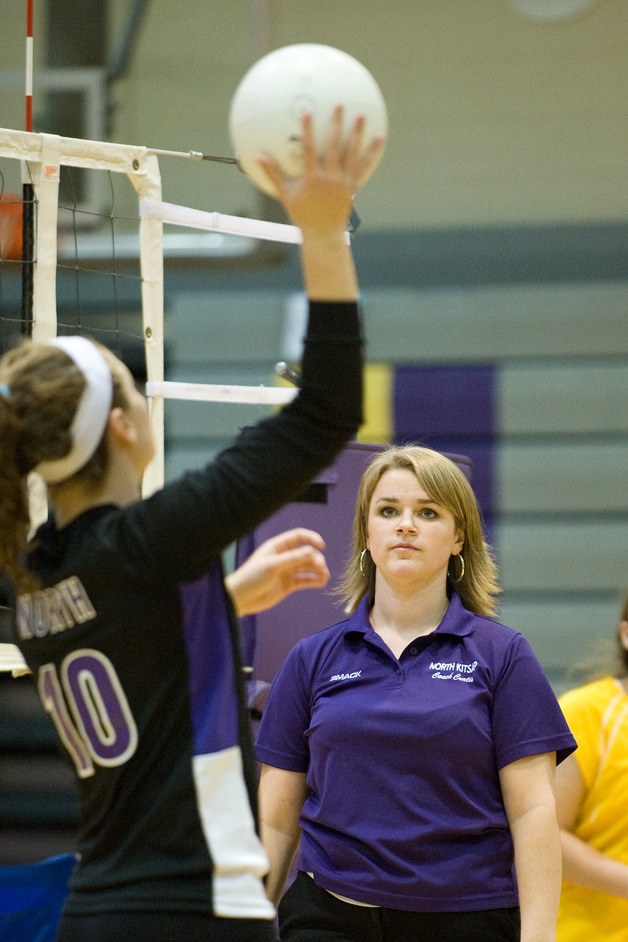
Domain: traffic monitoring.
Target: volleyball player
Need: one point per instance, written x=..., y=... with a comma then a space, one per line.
x=122, y=612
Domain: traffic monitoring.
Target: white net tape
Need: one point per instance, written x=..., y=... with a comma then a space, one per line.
x=208, y=392
x=220, y=222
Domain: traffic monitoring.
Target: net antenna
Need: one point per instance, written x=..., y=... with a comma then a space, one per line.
x=28, y=206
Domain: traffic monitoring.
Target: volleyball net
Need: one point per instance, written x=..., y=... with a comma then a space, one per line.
x=96, y=263
x=70, y=280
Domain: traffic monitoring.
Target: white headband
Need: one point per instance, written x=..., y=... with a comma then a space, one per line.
x=92, y=412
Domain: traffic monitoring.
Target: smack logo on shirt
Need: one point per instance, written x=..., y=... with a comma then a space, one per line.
x=350, y=676
x=453, y=670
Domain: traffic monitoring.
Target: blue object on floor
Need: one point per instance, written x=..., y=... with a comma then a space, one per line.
x=31, y=897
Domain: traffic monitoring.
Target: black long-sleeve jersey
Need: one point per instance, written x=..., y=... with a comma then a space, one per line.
x=130, y=644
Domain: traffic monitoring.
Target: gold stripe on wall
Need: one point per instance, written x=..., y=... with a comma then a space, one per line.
x=377, y=403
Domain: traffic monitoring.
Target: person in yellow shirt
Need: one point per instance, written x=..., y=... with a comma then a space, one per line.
x=592, y=805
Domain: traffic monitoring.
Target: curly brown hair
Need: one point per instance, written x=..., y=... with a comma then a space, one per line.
x=45, y=387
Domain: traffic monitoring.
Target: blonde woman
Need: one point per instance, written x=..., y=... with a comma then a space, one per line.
x=412, y=747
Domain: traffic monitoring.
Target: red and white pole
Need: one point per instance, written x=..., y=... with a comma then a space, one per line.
x=28, y=210
x=29, y=65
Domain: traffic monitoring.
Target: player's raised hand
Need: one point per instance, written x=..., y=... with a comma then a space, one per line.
x=319, y=200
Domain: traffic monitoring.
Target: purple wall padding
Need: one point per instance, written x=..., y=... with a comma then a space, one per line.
x=268, y=636
x=451, y=409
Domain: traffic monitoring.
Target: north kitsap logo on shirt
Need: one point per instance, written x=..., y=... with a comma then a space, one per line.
x=453, y=670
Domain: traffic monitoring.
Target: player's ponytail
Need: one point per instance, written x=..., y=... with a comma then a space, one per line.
x=14, y=513
x=40, y=389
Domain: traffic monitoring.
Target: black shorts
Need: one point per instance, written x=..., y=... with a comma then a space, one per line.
x=308, y=913
x=163, y=927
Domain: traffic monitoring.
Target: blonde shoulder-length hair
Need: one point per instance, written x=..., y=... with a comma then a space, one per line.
x=446, y=484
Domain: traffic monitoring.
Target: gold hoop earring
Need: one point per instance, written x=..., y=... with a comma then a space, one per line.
x=362, y=555
x=461, y=558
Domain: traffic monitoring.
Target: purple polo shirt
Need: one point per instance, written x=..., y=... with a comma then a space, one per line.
x=402, y=757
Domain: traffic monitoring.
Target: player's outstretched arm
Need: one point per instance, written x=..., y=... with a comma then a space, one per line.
x=282, y=565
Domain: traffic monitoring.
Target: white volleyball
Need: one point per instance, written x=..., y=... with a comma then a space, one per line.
x=269, y=101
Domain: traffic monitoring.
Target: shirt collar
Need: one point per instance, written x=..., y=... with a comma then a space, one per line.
x=457, y=620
